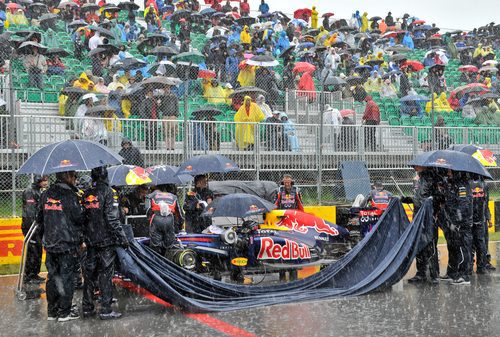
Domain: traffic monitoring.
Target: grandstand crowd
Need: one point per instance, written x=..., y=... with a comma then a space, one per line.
x=119, y=62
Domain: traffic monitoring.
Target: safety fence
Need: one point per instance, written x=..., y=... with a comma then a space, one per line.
x=263, y=151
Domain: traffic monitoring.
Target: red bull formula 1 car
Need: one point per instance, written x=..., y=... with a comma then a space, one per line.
x=287, y=240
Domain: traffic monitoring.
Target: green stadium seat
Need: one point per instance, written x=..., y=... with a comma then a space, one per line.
x=34, y=96
x=50, y=97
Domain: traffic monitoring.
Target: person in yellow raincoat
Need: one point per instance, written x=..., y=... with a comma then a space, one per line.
x=322, y=32
x=245, y=38
x=17, y=17
x=249, y=112
x=314, y=18
x=444, y=105
x=83, y=82
x=213, y=92
x=331, y=40
x=246, y=76
x=364, y=22
x=478, y=51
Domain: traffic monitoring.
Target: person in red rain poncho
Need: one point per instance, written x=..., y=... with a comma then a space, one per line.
x=306, y=87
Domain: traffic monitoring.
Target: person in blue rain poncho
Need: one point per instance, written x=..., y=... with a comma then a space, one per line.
x=282, y=43
x=408, y=41
x=290, y=133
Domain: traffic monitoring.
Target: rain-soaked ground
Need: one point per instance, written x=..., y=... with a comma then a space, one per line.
x=406, y=310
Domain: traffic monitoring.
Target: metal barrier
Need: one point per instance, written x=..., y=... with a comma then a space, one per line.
x=271, y=149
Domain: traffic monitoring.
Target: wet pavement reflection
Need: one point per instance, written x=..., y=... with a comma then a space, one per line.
x=405, y=310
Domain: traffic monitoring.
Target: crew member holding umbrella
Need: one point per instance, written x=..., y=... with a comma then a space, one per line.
x=102, y=234
x=195, y=203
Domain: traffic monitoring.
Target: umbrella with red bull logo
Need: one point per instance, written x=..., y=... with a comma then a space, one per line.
x=127, y=175
x=486, y=157
x=69, y=155
x=208, y=163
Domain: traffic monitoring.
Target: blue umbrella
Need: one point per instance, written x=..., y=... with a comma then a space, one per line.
x=69, y=155
x=305, y=45
x=364, y=67
x=209, y=163
x=240, y=205
x=409, y=98
x=453, y=160
x=207, y=11
x=166, y=174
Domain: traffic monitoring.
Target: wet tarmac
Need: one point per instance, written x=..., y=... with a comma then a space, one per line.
x=406, y=310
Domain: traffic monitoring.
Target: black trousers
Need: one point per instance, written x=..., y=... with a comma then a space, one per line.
x=60, y=282
x=479, y=245
x=428, y=258
x=33, y=254
x=459, y=244
x=162, y=233
x=98, y=268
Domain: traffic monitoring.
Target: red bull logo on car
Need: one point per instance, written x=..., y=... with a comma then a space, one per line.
x=301, y=222
x=269, y=250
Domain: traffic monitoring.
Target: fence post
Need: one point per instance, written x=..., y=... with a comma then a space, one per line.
x=319, y=149
x=257, y=152
x=415, y=140
x=11, y=138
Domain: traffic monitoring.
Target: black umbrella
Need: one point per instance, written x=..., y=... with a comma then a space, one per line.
x=209, y=163
x=73, y=91
x=99, y=110
x=243, y=91
x=353, y=80
x=239, y=205
x=165, y=68
x=56, y=51
x=313, y=32
x=111, y=9
x=129, y=6
x=89, y=8
x=27, y=46
x=334, y=80
x=398, y=57
x=346, y=29
x=183, y=13
x=102, y=31
x=96, y=51
x=375, y=62
x=453, y=160
x=398, y=49
x=375, y=18
x=134, y=90
x=69, y=155
x=63, y=4
x=206, y=113
x=163, y=50
x=39, y=5
x=263, y=61
x=48, y=17
x=246, y=21
x=287, y=51
x=77, y=24
x=129, y=64
x=166, y=174
x=217, y=14
x=110, y=48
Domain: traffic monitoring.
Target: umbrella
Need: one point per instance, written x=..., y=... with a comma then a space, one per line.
x=409, y=98
x=99, y=110
x=486, y=157
x=346, y=29
x=182, y=13
x=334, y=80
x=468, y=69
x=96, y=51
x=303, y=67
x=249, y=90
x=163, y=50
x=89, y=8
x=327, y=15
x=353, y=80
x=48, y=16
x=193, y=56
x=472, y=87
x=165, y=68
x=299, y=22
x=363, y=68
x=207, y=11
x=490, y=63
x=111, y=48
x=206, y=112
x=76, y=23
x=287, y=51
x=418, y=22
x=398, y=49
x=161, y=81
x=166, y=174
x=375, y=18
x=453, y=160
x=476, y=90
x=102, y=31
x=246, y=21
x=129, y=64
x=210, y=33
x=347, y=112
x=129, y=5
x=437, y=66
x=390, y=73
x=217, y=14
x=127, y=175
x=37, y=4
x=69, y=155
x=414, y=65
x=239, y=205
x=73, y=91
x=25, y=47
x=67, y=3
x=209, y=163
x=262, y=61
x=375, y=62
x=56, y=51
x=398, y=57
x=13, y=6
x=490, y=69
x=206, y=74
x=300, y=13
x=233, y=15
x=111, y=9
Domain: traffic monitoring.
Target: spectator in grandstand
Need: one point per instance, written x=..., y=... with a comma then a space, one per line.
x=266, y=109
x=371, y=117
x=149, y=109
x=87, y=101
x=248, y=114
x=94, y=129
x=16, y=17
x=332, y=121
x=169, y=110
x=131, y=154
x=441, y=137
x=274, y=132
x=265, y=80
x=411, y=108
x=95, y=41
x=348, y=134
x=245, y=8
x=55, y=66
x=486, y=116
x=388, y=90
x=36, y=65
x=291, y=141
x=359, y=93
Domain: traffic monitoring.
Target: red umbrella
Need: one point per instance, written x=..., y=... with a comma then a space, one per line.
x=301, y=13
x=303, y=67
x=418, y=22
x=327, y=15
x=468, y=69
x=234, y=15
x=13, y=6
x=393, y=33
x=347, y=112
x=206, y=74
x=414, y=65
